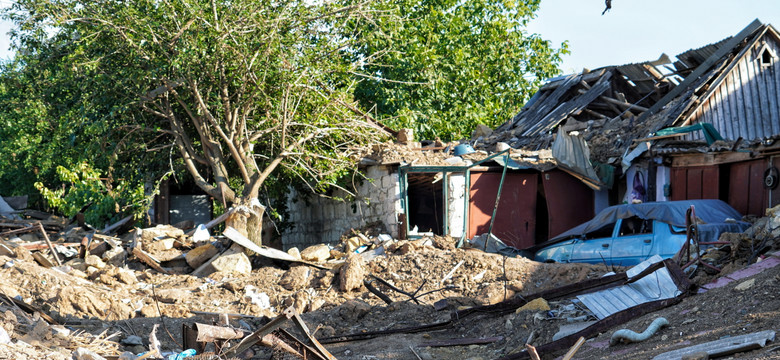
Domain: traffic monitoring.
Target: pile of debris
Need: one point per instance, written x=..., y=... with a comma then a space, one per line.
x=113, y=296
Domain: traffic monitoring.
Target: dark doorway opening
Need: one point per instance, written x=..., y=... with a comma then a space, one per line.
x=426, y=202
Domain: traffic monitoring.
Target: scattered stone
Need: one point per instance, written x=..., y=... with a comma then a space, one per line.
x=126, y=276
x=316, y=253
x=86, y=354
x=234, y=260
x=405, y=136
x=294, y=252
x=295, y=278
x=353, y=310
x=115, y=256
x=537, y=304
x=494, y=293
x=745, y=285
x=132, y=340
x=300, y=302
x=481, y=131
x=352, y=273
x=199, y=255
x=172, y=296
x=150, y=235
x=159, y=245
x=94, y=261
x=77, y=264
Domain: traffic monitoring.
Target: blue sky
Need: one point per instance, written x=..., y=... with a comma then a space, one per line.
x=640, y=30
x=632, y=31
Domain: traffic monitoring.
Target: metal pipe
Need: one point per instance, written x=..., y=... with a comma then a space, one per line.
x=498, y=198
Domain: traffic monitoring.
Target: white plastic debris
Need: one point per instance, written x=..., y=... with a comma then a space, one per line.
x=4, y=338
x=201, y=234
x=258, y=298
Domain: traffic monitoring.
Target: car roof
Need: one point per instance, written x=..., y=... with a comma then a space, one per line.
x=671, y=212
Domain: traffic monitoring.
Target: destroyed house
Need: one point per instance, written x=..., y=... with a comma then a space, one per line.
x=714, y=136
x=583, y=142
x=414, y=190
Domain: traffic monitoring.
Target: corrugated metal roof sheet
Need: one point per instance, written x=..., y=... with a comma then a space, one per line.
x=657, y=285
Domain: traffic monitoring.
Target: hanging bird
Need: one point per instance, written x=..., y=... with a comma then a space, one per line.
x=609, y=6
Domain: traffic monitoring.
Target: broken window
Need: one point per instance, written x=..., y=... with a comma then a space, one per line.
x=635, y=226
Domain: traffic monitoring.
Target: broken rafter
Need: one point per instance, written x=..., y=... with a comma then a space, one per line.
x=625, y=105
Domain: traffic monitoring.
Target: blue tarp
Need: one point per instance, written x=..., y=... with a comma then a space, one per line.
x=713, y=214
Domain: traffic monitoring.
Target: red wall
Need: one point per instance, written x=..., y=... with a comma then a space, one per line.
x=515, y=222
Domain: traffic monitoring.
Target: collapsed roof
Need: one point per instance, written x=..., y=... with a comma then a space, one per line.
x=614, y=106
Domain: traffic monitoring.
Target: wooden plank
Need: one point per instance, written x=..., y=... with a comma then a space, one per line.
x=758, y=97
x=45, y=262
x=110, y=228
x=42, y=245
x=734, y=103
x=720, y=116
x=776, y=72
x=769, y=93
x=148, y=260
x=570, y=354
x=748, y=101
x=740, y=90
x=701, y=69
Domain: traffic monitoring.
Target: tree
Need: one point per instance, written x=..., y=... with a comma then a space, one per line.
x=448, y=65
x=239, y=88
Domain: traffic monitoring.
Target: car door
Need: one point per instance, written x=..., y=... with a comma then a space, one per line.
x=633, y=242
x=595, y=247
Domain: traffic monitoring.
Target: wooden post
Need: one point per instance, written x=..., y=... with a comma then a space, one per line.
x=48, y=242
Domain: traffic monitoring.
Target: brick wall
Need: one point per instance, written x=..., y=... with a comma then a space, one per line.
x=323, y=220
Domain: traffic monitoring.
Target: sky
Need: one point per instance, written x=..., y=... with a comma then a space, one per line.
x=632, y=31
x=641, y=30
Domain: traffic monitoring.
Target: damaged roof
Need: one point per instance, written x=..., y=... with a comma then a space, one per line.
x=614, y=106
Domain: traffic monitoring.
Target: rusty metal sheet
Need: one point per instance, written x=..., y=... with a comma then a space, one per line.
x=569, y=202
x=515, y=222
x=746, y=187
x=723, y=347
x=699, y=182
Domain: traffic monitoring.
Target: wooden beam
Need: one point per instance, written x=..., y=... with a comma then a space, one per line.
x=617, y=102
x=709, y=159
x=700, y=70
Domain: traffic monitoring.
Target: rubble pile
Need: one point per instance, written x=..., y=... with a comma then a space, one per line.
x=84, y=294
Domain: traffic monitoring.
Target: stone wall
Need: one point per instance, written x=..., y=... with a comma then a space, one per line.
x=319, y=219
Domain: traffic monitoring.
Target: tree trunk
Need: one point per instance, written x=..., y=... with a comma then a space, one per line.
x=248, y=219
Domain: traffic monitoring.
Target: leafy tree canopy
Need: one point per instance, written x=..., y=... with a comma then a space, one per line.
x=443, y=66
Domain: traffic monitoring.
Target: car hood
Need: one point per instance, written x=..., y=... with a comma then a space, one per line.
x=710, y=211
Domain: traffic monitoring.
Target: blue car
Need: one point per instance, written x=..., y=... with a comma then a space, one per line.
x=625, y=235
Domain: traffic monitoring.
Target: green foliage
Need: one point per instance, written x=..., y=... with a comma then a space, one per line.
x=248, y=96
x=101, y=201
x=441, y=67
